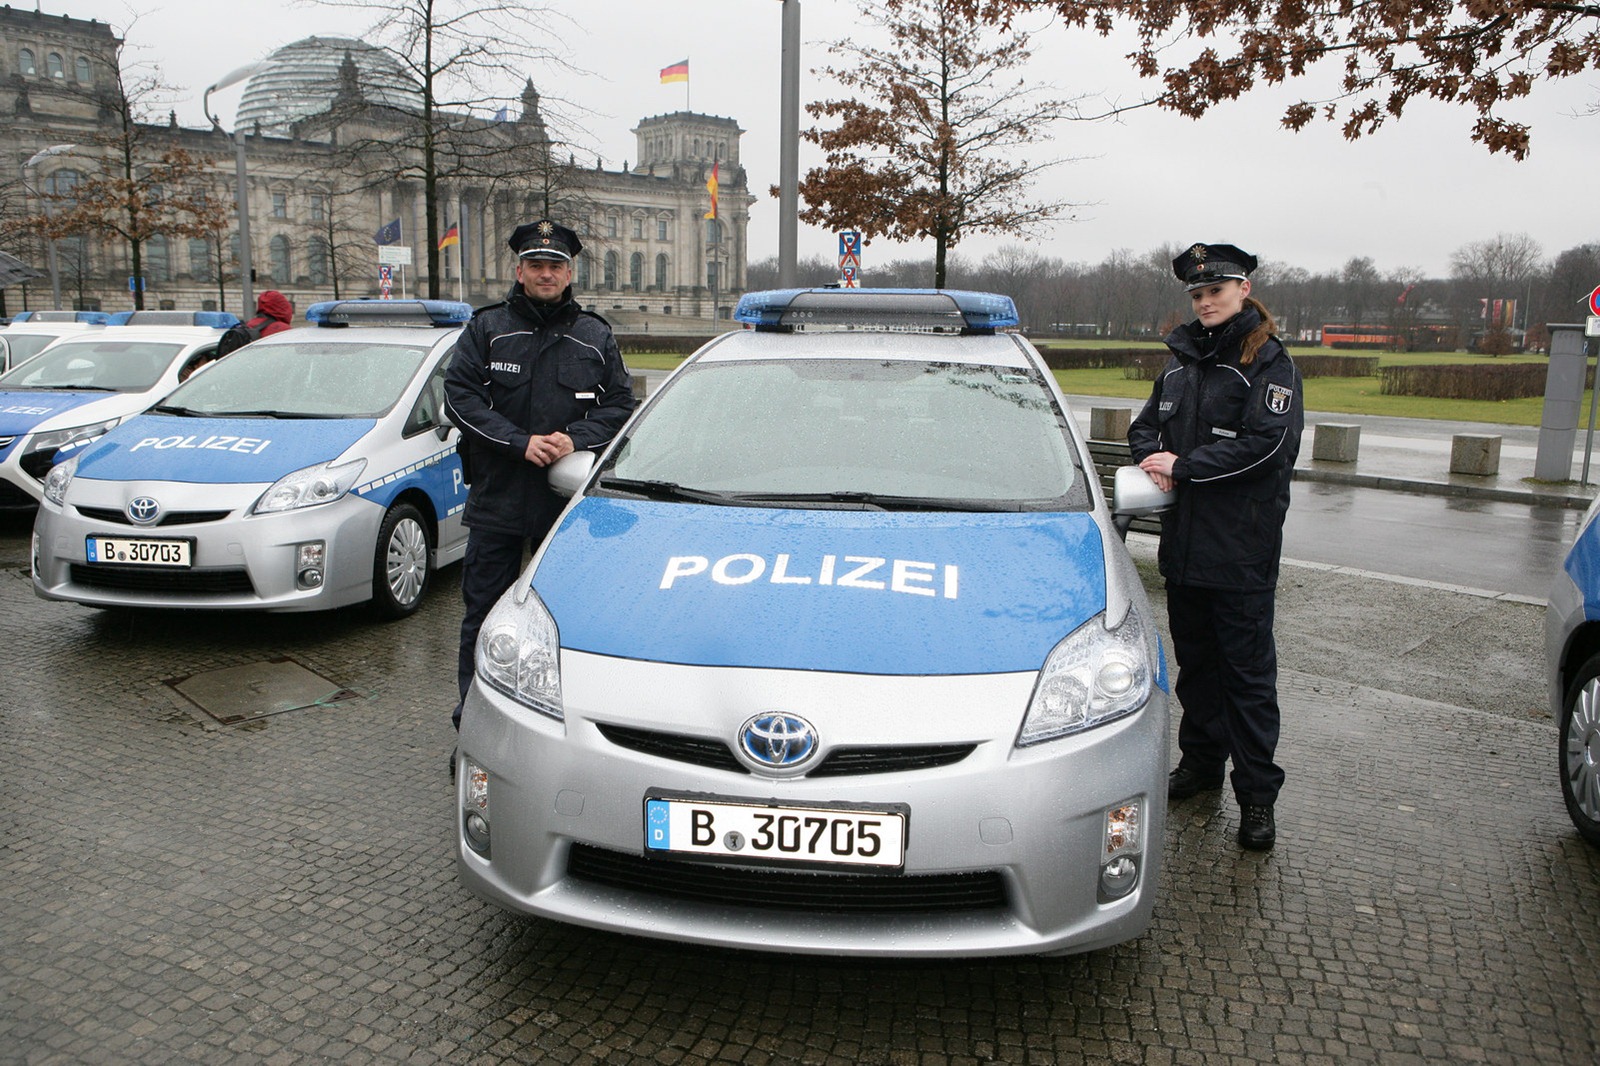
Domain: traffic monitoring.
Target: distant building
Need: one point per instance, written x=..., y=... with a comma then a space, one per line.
x=652, y=261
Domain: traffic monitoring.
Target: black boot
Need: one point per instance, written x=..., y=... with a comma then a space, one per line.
x=1185, y=782
x=1257, y=830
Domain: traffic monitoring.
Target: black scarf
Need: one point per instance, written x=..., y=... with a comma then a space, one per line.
x=539, y=312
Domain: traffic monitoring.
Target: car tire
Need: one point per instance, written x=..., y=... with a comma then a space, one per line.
x=1580, y=750
x=400, y=563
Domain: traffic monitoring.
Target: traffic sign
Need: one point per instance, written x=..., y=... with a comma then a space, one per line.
x=1594, y=301
x=850, y=243
x=1592, y=327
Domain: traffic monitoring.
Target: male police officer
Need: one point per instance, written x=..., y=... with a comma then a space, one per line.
x=532, y=379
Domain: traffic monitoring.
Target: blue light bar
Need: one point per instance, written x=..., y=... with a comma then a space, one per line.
x=93, y=318
x=210, y=319
x=948, y=309
x=370, y=312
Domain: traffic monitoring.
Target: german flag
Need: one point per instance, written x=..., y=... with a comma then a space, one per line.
x=451, y=236
x=679, y=71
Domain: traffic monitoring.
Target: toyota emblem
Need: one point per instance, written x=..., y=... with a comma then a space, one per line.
x=779, y=741
x=143, y=510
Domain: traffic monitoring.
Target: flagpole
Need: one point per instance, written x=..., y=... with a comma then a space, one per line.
x=686, y=105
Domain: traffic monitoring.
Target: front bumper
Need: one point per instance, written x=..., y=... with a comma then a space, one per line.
x=240, y=561
x=567, y=812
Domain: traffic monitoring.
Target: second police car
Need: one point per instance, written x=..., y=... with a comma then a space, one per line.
x=32, y=331
x=1572, y=659
x=86, y=383
x=837, y=650
x=308, y=470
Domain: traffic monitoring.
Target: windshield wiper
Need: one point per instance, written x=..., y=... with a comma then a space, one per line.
x=183, y=412
x=662, y=490
x=74, y=388
x=267, y=413
x=882, y=501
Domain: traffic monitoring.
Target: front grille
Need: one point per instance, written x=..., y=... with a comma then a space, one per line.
x=171, y=518
x=844, y=762
x=11, y=496
x=794, y=891
x=841, y=762
x=153, y=579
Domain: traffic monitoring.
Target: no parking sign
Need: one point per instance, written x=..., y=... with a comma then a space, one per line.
x=1594, y=301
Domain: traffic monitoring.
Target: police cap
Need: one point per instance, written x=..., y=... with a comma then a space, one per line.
x=1207, y=264
x=544, y=240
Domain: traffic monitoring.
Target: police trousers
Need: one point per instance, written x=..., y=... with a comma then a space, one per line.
x=491, y=566
x=1228, y=686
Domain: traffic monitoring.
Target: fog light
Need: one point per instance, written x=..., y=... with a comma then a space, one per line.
x=308, y=564
x=1118, y=877
x=1123, y=829
x=475, y=804
x=33, y=555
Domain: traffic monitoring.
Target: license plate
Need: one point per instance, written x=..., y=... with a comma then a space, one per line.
x=776, y=833
x=138, y=551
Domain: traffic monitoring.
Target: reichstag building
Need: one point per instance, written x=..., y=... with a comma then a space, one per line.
x=332, y=156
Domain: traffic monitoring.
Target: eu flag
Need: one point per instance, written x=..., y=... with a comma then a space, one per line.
x=389, y=234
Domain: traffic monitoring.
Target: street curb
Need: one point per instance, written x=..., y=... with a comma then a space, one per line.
x=1554, y=498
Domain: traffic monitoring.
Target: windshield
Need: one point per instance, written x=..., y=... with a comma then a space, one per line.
x=103, y=363
x=25, y=346
x=315, y=379
x=848, y=432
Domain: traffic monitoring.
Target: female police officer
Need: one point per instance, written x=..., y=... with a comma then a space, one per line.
x=1222, y=427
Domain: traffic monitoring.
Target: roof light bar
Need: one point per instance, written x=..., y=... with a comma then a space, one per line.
x=211, y=319
x=370, y=312
x=93, y=318
x=950, y=309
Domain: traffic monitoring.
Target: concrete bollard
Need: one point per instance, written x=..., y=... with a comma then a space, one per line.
x=1475, y=453
x=1109, y=423
x=1336, y=442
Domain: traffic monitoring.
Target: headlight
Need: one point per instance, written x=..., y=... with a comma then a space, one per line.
x=322, y=483
x=519, y=652
x=56, y=482
x=59, y=438
x=1092, y=677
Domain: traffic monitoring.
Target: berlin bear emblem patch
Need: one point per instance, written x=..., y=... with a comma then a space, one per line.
x=1278, y=399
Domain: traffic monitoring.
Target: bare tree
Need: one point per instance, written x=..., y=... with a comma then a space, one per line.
x=925, y=146
x=457, y=53
x=1479, y=54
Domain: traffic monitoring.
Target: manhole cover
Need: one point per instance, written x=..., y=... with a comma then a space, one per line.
x=255, y=690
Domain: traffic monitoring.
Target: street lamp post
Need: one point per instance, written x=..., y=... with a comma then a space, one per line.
x=50, y=242
x=241, y=179
x=789, y=150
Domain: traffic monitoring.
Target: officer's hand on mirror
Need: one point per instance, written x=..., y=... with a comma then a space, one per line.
x=546, y=449
x=1159, y=467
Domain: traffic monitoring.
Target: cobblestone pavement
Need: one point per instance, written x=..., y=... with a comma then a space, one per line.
x=283, y=891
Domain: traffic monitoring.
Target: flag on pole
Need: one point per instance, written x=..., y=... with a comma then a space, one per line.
x=711, y=187
x=451, y=236
x=389, y=234
x=676, y=72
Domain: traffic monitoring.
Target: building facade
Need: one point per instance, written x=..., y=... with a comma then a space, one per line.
x=322, y=180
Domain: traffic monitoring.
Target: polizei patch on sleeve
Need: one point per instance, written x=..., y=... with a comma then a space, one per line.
x=1278, y=399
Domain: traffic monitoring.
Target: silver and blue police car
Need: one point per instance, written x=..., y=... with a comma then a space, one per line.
x=1572, y=659
x=32, y=331
x=308, y=470
x=837, y=649
x=84, y=385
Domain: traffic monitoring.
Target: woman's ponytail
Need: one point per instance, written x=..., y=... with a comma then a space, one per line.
x=1258, y=336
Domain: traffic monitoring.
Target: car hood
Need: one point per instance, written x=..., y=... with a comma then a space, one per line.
x=877, y=592
x=217, y=450
x=25, y=411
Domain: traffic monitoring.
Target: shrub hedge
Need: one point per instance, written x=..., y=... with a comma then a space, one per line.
x=1458, y=382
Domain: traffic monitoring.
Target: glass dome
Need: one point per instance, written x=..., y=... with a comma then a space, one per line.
x=305, y=79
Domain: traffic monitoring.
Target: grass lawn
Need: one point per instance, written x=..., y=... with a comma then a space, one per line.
x=1356, y=396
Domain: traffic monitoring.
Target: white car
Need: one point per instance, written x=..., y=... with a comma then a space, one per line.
x=307, y=470
x=32, y=331
x=836, y=651
x=83, y=386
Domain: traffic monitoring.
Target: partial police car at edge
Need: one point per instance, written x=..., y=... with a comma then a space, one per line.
x=837, y=650
x=1572, y=660
x=83, y=385
x=309, y=470
x=32, y=331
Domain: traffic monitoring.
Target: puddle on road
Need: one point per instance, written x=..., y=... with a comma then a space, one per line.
x=244, y=693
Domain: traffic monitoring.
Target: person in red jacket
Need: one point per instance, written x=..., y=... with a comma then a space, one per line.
x=274, y=313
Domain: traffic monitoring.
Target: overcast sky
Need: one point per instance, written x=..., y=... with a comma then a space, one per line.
x=1406, y=197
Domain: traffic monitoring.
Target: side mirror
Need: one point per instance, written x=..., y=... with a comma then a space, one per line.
x=568, y=473
x=1134, y=495
x=442, y=431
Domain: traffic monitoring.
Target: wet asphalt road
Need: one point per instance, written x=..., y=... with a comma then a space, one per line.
x=177, y=890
